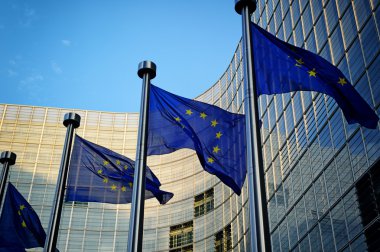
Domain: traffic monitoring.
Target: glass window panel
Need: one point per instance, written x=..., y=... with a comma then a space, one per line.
x=339, y=225
x=337, y=47
x=307, y=21
x=348, y=24
x=372, y=142
x=362, y=11
x=342, y=6
x=320, y=32
x=315, y=239
x=321, y=196
x=292, y=227
x=284, y=239
x=370, y=43
x=363, y=89
x=358, y=155
x=327, y=234
x=304, y=244
x=326, y=53
x=287, y=26
x=275, y=239
x=295, y=10
x=343, y=166
x=351, y=207
x=325, y=142
x=272, y=212
x=332, y=187
x=360, y=244
x=301, y=218
x=331, y=16
x=311, y=209
x=355, y=61
x=374, y=77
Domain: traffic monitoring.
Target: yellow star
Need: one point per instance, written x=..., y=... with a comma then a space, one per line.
x=130, y=184
x=219, y=135
x=210, y=160
x=123, y=189
x=216, y=149
x=177, y=119
x=113, y=187
x=342, y=81
x=299, y=62
x=203, y=115
x=22, y=207
x=189, y=112
x=105, y=162
x=100, y=171
x=105, y=180
x=214, y=123
x=19, y=213
x=125, y=167
x=23, y=224
x=118, y=162
x=312, y=73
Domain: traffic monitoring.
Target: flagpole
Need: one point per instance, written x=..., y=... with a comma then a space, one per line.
x=7, y=158
x=258, y=211
x=146, y=71
x=71, y=122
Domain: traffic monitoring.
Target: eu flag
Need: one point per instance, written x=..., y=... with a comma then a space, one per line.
x=20, y=226
x=97, y=174
x=217, y=136
x=281, y=68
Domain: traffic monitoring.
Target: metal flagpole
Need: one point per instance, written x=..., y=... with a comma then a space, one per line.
x=7, y=158
x=71, y=121
x=146, y=71
x=258, y=212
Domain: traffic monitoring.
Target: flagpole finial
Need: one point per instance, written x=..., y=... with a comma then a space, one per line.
x=147, y=67
x=71, y=118
x=240, y=4
x=8, y=156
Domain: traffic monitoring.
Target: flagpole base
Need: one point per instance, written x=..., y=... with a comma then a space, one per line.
x=147, y=67
x=8, y=156
x=240, y=4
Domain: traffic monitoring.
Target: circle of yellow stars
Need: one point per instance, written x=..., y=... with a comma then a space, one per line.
x=113, y=186
x=214, y=123
x=22, y=207
x=313, y=72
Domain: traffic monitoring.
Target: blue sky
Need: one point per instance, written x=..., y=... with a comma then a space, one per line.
x=83, y=54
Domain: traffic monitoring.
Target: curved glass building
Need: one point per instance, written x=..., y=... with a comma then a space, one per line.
x=322, y=175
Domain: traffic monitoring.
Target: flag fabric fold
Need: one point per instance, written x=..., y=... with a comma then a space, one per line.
x=97, y=174
x=20, y=226
x=217, y=136
x=281, y=68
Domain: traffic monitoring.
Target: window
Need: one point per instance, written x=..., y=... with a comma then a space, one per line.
x=368, y=193
x=77, y=203
x=204, y=203
x=223, y=240
x=181, y=237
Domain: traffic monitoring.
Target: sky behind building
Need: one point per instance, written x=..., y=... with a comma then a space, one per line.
x=84, y=54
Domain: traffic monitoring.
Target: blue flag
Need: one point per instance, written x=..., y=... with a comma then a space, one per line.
x=217, y=136
x=97, y=174
x=281, y=68
x=20, y=226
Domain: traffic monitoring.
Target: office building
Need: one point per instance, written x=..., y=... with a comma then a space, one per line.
x=322, y=175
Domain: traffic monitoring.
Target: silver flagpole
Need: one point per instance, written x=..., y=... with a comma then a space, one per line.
x=7, y=158
x=71, y=121
x=258, y=212
x=146, y=71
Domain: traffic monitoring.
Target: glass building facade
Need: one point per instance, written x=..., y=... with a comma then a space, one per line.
x=322, y=175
